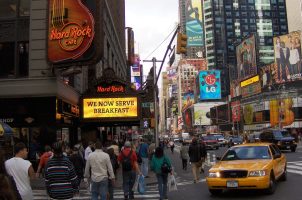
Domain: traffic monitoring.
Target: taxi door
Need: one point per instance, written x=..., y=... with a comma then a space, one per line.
x=277, y=161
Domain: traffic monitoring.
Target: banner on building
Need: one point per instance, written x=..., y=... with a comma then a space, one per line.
x=236, y=111
x=209, y=84
x=246, y=58
x=287, y=57
x=187, y=100
x=194, y=23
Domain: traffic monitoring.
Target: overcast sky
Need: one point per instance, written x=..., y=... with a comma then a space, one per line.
x=152, y=21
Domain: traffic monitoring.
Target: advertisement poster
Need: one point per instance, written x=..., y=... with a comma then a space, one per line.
x=194, y=23
x=187, y=118
x=250, y=86
x=281, y=112
x=266, y=75
x=288, y=57
x=246, y=58
x=70, y=31
x=235, y=89
x=202, y=114
x=236, y=114
x=209, y=84
x=187, y=100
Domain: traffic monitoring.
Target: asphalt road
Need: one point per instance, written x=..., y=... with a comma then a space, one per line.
x=187, y=190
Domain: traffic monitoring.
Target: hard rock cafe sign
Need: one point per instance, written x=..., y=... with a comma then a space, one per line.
x=71, y=30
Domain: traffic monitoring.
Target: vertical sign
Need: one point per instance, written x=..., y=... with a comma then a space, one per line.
x=209, y=84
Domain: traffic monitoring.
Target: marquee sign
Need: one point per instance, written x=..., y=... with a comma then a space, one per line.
x=123, y=107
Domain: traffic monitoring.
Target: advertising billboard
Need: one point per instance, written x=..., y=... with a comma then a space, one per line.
x=235, y=89
x=288, y=57
x=266, y=74
x=281, y=112
x=194, y=23
x=69, y=35
x=236, y=114
x=250, y=86
x=246, y=58
x=209, y=84
x=110, y=107
x=187, y=100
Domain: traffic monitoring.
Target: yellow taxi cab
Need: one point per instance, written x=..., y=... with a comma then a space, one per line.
x=248, y=166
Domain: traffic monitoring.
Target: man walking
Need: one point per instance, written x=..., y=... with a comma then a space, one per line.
x=143, y=153
x=128, y=160
x=21, y=170
x=99, y=164
x=60, y=177
x=184, y=155
x=197, y=153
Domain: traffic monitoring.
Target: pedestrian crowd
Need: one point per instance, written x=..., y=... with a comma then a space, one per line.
x=96, y=167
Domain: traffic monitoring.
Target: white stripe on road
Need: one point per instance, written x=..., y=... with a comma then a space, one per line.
x=294, y=167
x=294, y=171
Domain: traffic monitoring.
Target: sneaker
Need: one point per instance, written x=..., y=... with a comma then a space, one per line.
x=126, y=197
x=131, y=196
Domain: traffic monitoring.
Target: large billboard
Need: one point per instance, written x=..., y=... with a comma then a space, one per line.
x=236, y=111
x=246, y=58
x=110, y=107
x=194, y=23
x=209, y=85
x=202, y=114
x=71, y=31
x=288, y=57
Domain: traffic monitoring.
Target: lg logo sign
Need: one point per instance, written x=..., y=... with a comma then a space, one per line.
x=210, y=81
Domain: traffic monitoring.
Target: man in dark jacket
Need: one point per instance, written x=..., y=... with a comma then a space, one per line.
x=197, y=153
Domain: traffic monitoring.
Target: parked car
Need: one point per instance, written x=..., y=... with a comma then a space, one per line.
x=235, y=141
x=221, y=140
x=254, y=137
x=280, y=137
x=248, y=166
x=210, y=142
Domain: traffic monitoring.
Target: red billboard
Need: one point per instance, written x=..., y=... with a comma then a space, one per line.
x=235, y=106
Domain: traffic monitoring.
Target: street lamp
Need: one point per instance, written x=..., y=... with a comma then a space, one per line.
x=279, y=90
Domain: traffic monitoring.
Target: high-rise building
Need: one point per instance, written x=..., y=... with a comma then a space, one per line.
x=191, y=24
x=294, y=15
x=228, y=22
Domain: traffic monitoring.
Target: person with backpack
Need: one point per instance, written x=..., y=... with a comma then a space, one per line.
x=197, y=153
x=128, y=160
x=161, y=166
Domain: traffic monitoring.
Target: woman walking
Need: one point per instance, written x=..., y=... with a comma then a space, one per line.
x=161, y=166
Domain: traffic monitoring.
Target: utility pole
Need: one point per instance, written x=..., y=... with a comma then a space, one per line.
x=155, y=99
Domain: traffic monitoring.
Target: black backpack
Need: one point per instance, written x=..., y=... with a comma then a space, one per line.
x=165, y=167
x=126, y=162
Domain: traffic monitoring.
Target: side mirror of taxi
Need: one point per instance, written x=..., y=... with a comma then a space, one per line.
x=277, y=156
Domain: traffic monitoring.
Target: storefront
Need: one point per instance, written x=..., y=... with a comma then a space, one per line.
x=40, y=121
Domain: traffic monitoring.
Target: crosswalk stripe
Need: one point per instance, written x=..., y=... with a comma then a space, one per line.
x=294, y=171
x=294, y=167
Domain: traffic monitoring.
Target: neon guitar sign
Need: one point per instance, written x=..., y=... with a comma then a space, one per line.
x=71, y=30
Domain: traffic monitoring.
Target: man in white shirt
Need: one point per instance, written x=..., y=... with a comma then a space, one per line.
x=88, y=150
x=22, y=171
x=100, y=166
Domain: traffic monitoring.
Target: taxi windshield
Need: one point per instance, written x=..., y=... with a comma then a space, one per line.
x=247, y=153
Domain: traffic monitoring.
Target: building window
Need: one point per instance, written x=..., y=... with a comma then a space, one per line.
x=7, y=59
x=23, y=58
x=8, y=8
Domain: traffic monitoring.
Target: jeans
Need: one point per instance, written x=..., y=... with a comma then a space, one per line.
x=128, y=182
x=99, y=189
x=144, y=166
x=162, y=180
x=110, y=190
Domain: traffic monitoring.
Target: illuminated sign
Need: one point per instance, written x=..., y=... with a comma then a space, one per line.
x=111, y=89
x=209, y=84
x=71, y=30
x=251, y=89
x=110, y=107
x=249, y=81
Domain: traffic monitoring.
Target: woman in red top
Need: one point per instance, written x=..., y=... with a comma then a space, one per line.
x=43, y=160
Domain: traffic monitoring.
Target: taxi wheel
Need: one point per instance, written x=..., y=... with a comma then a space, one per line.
x=272, y=185
x=284, y=175
x=215, y=192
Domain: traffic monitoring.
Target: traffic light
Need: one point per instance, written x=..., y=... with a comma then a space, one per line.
x=181, y=47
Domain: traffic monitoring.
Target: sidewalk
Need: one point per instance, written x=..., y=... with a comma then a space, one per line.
x=39, y=183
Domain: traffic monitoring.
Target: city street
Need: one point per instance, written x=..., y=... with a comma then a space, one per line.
x=188, y=190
